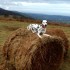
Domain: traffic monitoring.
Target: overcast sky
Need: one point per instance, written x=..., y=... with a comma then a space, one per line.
x=53, y=7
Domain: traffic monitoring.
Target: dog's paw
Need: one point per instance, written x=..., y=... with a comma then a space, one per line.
x=46, y=35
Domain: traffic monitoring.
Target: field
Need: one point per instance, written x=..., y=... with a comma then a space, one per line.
x=7, y=27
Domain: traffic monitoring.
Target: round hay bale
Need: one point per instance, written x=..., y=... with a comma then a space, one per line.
x=60, y=33
x=24, y=50
x=2, y=66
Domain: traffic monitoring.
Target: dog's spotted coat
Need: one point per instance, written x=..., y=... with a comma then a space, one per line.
x=38, y=29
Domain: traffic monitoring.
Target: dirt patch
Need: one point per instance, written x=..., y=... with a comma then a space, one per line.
x=24, y=50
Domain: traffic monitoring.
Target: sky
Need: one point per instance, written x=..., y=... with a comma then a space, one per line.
x=51, y=7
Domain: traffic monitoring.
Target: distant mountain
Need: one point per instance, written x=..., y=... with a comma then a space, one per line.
x=32, y=16
x=4, y=12
x=56, y=18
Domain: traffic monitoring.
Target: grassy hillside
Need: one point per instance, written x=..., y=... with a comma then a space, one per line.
x=7, y=27
x=57, y=18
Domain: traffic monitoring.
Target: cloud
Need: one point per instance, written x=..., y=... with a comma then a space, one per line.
x=61, y=7
x=37, y=1
x=45, y=1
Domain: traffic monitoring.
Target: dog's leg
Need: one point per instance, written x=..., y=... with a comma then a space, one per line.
x=47, y=35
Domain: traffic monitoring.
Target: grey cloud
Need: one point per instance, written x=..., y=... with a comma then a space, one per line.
x=48, y=1
x=45, y=1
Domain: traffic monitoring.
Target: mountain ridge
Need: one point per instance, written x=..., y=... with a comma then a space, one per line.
x=36, y=16
x=4, y=12
x=56, y=18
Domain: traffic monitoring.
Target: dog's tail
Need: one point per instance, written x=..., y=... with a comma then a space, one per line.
x=28, y=27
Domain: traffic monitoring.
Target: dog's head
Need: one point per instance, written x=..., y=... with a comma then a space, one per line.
x=44, y=23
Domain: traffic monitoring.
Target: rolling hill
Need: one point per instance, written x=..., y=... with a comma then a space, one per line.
x=56, y=18
x=34, y=16
x=8, y=13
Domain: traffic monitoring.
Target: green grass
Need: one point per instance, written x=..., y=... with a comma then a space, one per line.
x=5, y=31
x=7, y=27
x=11, y=24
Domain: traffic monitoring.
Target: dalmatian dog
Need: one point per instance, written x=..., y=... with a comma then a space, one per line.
x=40, y=30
